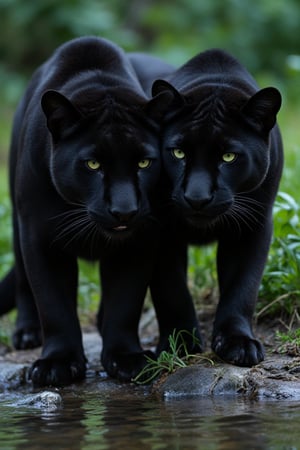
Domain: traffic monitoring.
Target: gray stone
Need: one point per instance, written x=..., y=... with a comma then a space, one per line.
x=204, y=380
x=277, y=377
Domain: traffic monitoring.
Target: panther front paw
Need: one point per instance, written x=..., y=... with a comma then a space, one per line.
x=57, y=372
x=238, y=349
x=125, y=366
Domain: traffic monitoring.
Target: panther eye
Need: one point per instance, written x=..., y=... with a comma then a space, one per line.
x=93, y=164
x=229, y=157
x=144, y=163
x=178, y=153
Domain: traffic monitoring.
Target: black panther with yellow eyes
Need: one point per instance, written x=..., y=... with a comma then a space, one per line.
x=222, y=157
x=84, y=172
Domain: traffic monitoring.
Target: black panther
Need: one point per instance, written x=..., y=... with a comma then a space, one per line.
x=84, y=177
x=222, y=157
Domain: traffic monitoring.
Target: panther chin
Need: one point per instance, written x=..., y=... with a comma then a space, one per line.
x=200, y=220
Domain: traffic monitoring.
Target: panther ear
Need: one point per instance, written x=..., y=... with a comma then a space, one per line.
x=60, y=112
x=159, y=105
x=262, y=108
x=164, y=86
x=165, y=99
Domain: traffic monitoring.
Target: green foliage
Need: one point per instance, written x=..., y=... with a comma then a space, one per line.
x=167, y=362
x=30, y=31
x=5, y=238
x=280, y=288
x=7, y=325
x=6, y=257
x=88, y=291
x=230, y=24
x=202, y=273
x=262, y=33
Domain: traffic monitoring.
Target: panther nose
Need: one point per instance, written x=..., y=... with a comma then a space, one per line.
x=197, y=202
x=123, y=216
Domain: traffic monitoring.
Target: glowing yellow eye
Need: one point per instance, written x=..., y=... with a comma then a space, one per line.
x=93, y=164
x=179, y=154
x=144, y=163
x=229, y=157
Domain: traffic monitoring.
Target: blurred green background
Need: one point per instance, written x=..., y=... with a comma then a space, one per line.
x=263, y=34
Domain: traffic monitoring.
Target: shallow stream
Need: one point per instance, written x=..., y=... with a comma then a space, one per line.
x=102, y=414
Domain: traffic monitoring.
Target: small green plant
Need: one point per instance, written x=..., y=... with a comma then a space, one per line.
x=289, y=342
x=167, y=362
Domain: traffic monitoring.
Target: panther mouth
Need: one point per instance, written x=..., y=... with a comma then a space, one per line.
x=120, y=228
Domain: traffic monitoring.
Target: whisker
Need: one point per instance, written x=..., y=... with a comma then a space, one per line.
x=97, y=236
x=251, y=204
x=67, y=227
x=69, y=224
x=81, y=231
x=232, y=218
x=72, y=225
x=243, y=218
x=246, y=211
x=92, y=234
x=80, y=209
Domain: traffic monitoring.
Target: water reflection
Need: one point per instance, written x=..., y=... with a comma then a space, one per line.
x=127, y=417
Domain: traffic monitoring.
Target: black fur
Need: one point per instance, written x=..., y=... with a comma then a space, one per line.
x=222, y=156
x=83, y=108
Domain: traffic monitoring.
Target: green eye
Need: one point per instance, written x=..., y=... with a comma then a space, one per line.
x=229, y=157
x=93, y=164
x=179, y=154
x=144, y=163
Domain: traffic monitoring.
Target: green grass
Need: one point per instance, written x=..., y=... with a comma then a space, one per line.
x=168, y=361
